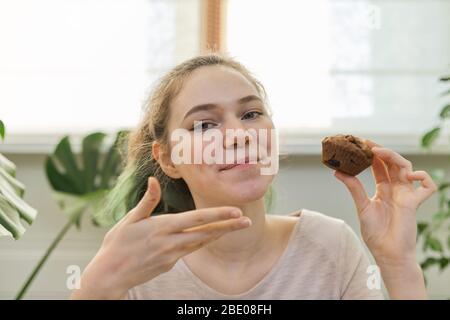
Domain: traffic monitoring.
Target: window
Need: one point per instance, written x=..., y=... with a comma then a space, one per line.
x=76, y=65
x=363, y=67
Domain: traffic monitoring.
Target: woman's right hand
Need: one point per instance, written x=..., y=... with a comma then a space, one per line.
x=139, y=247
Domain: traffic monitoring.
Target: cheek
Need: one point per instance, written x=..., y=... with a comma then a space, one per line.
x=264, y=132
x=197, y=176
x=264, y=142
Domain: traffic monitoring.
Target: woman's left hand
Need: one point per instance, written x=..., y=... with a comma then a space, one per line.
x=388, y=219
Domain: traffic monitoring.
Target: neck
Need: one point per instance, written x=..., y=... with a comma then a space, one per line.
x=240, y=246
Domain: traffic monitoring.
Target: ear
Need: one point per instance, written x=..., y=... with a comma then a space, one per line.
x=160, y=154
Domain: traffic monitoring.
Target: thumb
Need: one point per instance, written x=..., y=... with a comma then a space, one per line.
x=148, y=202
x=356, y=189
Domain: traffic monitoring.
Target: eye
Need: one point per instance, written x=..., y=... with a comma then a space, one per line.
x=252, y=115
x=202, y=125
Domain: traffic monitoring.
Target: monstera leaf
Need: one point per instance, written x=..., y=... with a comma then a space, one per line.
x=2, y=130
x=13, y=209
x=79, y=183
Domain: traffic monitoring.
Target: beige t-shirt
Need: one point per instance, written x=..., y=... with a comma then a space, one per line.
x=324, y=259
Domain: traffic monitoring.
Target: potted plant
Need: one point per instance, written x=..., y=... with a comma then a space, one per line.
x=79, y=183
x=435, y=233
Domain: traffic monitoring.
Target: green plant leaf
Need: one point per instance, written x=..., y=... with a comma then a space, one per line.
x=443, y=263
x=430, y=261
x=110, y=168
x=430, y=137
x=434, y=243
x=7, y=165
x=25, y=211
x=91, y=152
x=18, y=187
x=10, y=224
x=443, y=186
x=439, y=217
x=71, y=205
x=58, y=181
x=445, y=112
x=12, y=207
x=78, y=188
x=421, y=226
x=2, y=130
x=112, y=162
x=74, y=206
x=445, y=78
x=98, y=170
x=95, y=222
x=65, y=158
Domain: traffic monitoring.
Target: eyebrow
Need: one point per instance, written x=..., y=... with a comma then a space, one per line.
x=209, y=106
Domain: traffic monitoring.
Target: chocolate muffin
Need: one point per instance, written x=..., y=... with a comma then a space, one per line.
x=346, y=153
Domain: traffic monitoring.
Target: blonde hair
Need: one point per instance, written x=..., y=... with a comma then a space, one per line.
x=139, y=162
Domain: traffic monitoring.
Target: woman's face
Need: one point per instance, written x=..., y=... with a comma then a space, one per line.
x=224, y=100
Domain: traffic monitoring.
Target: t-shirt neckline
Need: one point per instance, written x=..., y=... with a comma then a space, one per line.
x=260, y=283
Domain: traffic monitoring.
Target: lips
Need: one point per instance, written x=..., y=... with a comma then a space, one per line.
x=245, y=161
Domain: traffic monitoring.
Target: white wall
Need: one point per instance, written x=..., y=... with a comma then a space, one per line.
x=303, y=182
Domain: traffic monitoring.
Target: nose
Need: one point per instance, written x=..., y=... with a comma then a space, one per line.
x=236, y=134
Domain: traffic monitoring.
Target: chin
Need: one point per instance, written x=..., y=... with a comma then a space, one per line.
x=246, y=191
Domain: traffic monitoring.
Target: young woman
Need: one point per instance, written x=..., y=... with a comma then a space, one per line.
x=220, y=243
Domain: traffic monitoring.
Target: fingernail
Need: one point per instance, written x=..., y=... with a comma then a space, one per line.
x=246, y=221
x=235, y=213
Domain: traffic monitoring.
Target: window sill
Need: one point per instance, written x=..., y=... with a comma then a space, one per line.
x=290, y=143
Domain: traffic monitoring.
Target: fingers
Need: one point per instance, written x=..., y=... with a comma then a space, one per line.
x=191, y=240
x=392, y=157
x=148, y=202
x=396, y=164
x=427, y=188
x=391, y=161
x=380, y=171
x=371, y=144
x=379, y=168
x=356, y=189
x=194, y=218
